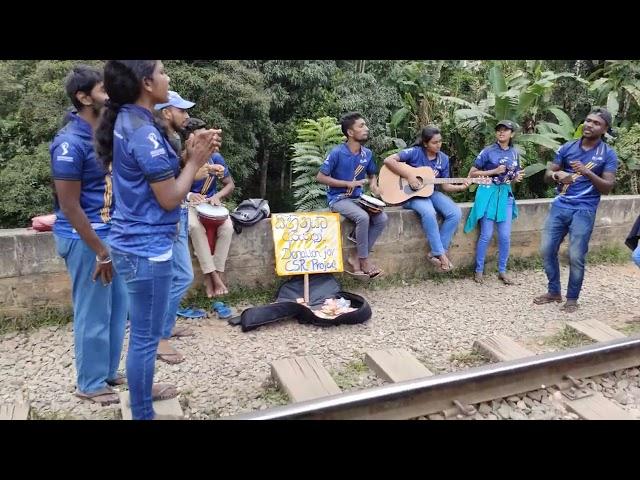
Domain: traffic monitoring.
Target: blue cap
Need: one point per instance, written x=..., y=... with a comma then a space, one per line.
x=175, y=100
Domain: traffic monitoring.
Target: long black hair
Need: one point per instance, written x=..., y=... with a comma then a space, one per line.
x=426, y=135
x=123, y=84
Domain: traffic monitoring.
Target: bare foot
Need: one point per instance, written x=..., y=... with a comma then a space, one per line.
x=547, y=298
x=445, y=263
x=219, y=287
x=208, y=285
x=478, y=277
x=364, y=264
x=354, y=262
x=435, y=261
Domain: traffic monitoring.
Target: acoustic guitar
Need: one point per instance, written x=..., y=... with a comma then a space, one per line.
x=395, y=189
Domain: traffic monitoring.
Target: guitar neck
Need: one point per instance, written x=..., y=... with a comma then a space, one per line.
x=449, y=180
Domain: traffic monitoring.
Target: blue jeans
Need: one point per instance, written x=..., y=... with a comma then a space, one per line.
x=368, y=226
x=504, y=240
x=182, y=273
x=99, y=316
x=148, y=284
x=636, y=255
x=427, y=209
x=579, y=225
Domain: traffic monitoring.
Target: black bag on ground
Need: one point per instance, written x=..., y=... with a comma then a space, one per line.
x=249, y=212
x=321, y=287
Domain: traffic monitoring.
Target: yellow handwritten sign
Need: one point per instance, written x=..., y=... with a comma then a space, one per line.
x=307, y=242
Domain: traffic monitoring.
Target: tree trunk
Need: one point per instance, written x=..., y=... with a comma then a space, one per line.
x=264, y=169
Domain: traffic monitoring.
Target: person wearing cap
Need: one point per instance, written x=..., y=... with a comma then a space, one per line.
x=583, y=170
x=84, y=206
x=425, y=152
x=495, y=204
x=174, y=115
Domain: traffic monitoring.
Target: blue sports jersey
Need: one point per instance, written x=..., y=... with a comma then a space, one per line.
x=415, y=157
x=73, y=158
x=341, y=164
x=141, y=156
x=493, y=156
x=207, y=186
x=581, y=194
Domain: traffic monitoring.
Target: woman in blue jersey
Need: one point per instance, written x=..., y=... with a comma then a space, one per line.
x=495, y=204
x=149, y=187
x=426, y=153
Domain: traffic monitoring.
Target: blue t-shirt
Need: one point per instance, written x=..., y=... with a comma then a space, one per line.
x=581, y=194
x=208, y=184
x=73, y=158
x=415, y=157
x=493, y=156
x=141, y=156
x=341, y=164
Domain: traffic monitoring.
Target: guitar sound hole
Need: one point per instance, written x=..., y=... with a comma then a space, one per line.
x=421, y=180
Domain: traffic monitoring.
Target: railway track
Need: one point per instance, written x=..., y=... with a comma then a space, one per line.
x=415, y=392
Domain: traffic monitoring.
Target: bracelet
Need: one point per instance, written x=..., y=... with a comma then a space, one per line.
x=103, y=262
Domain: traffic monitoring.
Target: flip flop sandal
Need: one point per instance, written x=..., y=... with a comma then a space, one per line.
x=170, y=358
x=191, y=313
x=224, y=313
x=104, y=397
x=215, y=306
x=374, y=272
x=359, y=274
x=119, y=380
x=163, y=391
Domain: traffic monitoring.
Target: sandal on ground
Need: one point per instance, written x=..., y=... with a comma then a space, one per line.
x=191, y=312
x=547, y=298
x=359, y=274
x=163, y=391
x=478, y=277
x=170, y=357
x=104, y=397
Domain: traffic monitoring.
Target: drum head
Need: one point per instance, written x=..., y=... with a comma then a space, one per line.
x=373, y=201
x=212, y=211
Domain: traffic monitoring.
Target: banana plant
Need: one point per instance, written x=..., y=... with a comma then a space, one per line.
x=522, y=98
x=617, y=85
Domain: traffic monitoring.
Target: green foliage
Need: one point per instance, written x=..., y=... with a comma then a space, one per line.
x=25, y=188
x=316, y=138
x=627, y=146
x=259, y=104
